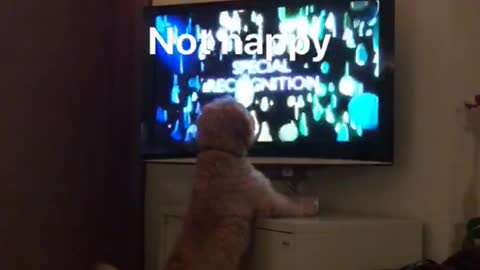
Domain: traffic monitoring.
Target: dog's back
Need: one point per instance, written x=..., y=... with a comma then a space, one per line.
x=216, y=231
x=228, y=193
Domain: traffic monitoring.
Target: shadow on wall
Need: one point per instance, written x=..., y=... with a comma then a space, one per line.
x=467, y=184
x=470, y=198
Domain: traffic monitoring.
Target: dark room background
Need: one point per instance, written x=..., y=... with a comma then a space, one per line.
x=71, y=191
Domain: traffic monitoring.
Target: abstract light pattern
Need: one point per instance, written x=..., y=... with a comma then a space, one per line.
x=329, y=96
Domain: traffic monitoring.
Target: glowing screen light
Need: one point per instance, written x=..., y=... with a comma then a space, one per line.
x=348, y=85
x=342, y=132
x=176, y=133
x=303, y=126
x=317, y=110
x=330, y=24
x=174, y=97
x=161, y=115
x=257, y=126
x=265, y=133
x=264, y=104
x=288, y=132
x=191, y=133
x=328, y=92
x=361, y=55
x=363, y=111
x=325, y=67
x=244, y=92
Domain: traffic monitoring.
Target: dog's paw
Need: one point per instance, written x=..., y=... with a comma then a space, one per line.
x=310, y=206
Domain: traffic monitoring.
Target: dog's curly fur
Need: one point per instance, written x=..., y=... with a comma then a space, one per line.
x=228, y=193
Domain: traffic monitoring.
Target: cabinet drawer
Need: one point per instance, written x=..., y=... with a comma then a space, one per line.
x=272, y=250
x=173, y=225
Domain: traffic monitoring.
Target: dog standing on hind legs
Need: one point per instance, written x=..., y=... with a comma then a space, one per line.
x=228, y=194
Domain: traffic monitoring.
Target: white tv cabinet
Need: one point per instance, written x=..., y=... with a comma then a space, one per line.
x=329, y=242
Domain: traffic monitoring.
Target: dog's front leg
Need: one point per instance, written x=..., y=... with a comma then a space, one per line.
x=274, y=204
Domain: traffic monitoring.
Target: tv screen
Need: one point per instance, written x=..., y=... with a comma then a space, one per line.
x=317, y=76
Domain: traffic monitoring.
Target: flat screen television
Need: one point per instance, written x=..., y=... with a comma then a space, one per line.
x=317, y=76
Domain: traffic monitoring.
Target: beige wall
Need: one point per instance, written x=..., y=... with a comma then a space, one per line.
x=464, y=142
x=437, y=69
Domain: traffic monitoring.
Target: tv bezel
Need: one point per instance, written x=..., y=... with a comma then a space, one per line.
x=352, y=153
